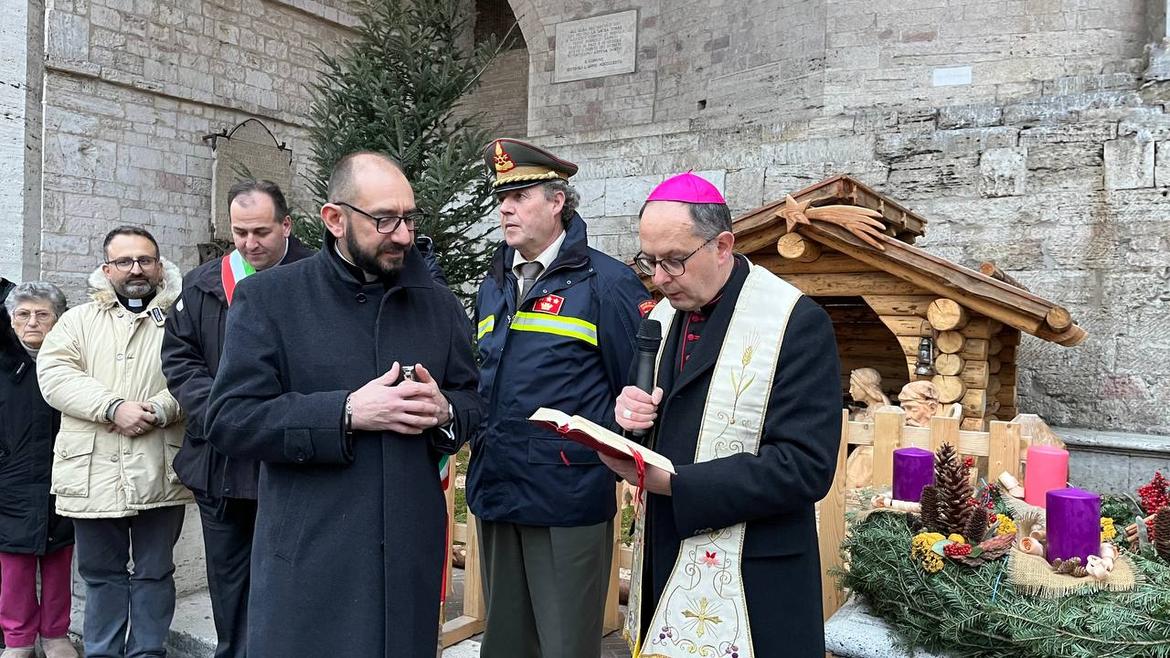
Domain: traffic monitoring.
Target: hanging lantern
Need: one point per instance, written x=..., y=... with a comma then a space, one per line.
x=925, y=365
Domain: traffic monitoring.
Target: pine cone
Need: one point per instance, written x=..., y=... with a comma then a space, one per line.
x=952, y=480
x=1070, y=567
x=929, y=504
x=976, y=526
x=1162, y=533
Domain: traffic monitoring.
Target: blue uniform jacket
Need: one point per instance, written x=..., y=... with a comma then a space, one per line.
x=569, y=345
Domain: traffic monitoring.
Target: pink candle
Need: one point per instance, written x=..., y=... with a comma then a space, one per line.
x=913, y=470
x=1047, y=469
x=1073, y=524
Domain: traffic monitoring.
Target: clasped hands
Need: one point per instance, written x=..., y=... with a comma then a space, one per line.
x=408, y=407
x=133, y=418
x=636, y=409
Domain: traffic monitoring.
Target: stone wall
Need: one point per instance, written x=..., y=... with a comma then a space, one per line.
x=21, y=52
x=1030, y=132
x=132, y=89
x=1045, y=156
x=502, y=95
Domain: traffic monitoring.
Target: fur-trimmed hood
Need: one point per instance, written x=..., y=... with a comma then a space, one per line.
x=102, y=292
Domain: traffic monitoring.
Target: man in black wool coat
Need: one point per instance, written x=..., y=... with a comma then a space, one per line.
x=351, y=528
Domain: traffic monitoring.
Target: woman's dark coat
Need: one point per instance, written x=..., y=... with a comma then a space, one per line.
x=350, y=533
x=28, y=425
x=773, y=491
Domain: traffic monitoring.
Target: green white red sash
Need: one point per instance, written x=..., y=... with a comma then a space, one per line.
x=234, y=269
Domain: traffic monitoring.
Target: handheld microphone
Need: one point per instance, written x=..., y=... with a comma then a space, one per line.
x=649, y=338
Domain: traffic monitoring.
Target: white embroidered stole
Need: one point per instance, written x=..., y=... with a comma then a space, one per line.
x=702, y=610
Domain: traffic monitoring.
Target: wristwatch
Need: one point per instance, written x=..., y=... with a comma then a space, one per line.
x=348, y=415
x=448, y=428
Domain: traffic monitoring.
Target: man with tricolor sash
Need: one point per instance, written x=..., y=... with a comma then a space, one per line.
x=747, y=407
x=556, y=324
x=224, y=487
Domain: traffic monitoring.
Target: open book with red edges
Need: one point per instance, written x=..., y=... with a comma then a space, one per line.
x=594, y=436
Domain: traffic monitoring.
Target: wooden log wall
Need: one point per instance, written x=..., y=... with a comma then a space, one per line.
x=968, y=347
x=974, y=355
x=1003, y=383
x=864, y=342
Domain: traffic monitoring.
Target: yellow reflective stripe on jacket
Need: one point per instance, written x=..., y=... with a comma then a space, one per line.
x=486, y=326
x=555, y=324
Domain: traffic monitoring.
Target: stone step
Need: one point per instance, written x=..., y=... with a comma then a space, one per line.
x=854, y=632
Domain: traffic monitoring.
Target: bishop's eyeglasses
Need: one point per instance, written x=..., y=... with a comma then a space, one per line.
x=672, y=266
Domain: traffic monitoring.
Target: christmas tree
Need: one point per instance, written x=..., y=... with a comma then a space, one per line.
x=394, y=88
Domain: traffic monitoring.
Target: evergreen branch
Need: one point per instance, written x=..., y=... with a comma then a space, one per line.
x=1060, y=632
x=954, y=610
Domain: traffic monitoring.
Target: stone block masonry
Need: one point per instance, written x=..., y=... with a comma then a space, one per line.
x=130, y=91
x=1049, y=159
x=1030, y=132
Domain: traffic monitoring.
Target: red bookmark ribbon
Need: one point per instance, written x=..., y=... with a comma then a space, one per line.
x=640, y=465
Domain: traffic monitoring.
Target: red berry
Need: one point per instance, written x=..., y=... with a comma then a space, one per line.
x=954, y=550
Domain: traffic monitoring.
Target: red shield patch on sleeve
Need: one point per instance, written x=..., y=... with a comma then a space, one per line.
x=645, y=307
x=550, y=304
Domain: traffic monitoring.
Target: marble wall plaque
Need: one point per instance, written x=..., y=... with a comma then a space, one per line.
x=596, y=47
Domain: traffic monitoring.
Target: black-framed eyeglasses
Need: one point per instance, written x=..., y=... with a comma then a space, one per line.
x=127, y=264
x=387, y=223
x=672, y=266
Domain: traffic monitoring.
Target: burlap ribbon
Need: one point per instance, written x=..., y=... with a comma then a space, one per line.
x=1032, y=575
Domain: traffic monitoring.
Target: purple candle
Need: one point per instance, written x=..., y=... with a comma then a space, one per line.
x=913, y=470
x=1074, y=524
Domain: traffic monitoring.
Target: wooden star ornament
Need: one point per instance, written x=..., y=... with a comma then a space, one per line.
x=863, y=223
x=793, y=212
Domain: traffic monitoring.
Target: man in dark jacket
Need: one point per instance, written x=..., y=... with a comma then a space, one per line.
x=350, y=533
x=747, y=408
x=556, y=324
x=224, y=487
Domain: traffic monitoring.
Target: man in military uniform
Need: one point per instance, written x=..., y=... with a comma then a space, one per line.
x=556, y=324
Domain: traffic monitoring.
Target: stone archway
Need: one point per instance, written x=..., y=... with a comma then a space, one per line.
x=503, y=92
x=530, y=26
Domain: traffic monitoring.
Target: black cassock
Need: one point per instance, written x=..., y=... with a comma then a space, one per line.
x=773, y=491
x=350, y=534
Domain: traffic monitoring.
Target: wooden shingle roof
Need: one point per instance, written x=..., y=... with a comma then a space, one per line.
x=760, y=229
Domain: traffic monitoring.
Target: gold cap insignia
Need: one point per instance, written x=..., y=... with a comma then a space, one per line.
x=503, y=160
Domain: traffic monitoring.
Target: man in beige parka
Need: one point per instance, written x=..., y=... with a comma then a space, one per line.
x=101, y=368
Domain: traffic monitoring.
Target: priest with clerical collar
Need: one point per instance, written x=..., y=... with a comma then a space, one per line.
x=350, y=536
x=747, y=406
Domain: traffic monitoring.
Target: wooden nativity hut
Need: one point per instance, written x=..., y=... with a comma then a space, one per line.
x=897, y=308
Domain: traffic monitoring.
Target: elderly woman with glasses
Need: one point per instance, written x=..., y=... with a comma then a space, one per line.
x=32, y=536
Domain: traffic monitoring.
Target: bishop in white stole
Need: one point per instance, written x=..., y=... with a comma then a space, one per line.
x=703, y=611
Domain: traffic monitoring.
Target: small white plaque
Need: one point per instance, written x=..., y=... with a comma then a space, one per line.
x=951, y=76
x=596, y=47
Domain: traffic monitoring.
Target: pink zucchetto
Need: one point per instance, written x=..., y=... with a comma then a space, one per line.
x=687, y=188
